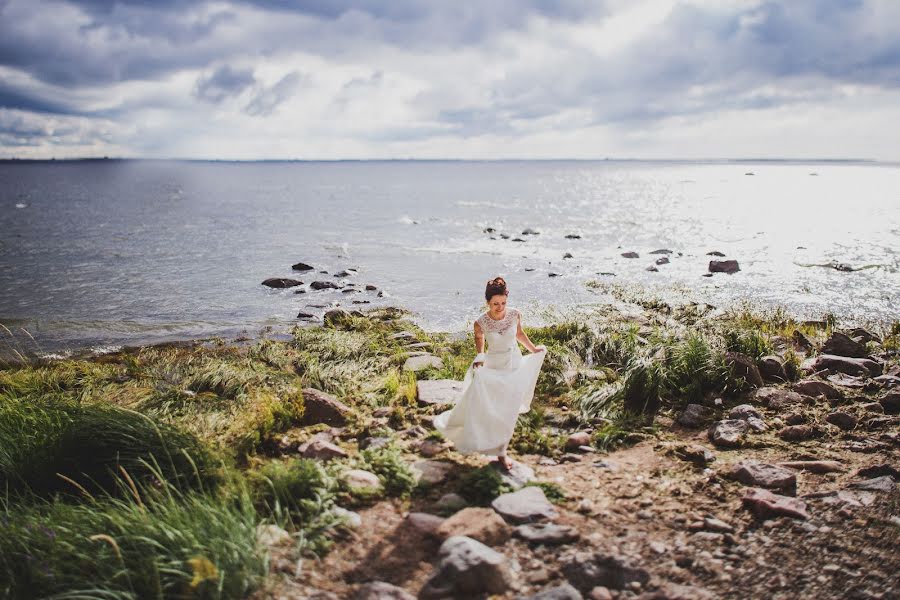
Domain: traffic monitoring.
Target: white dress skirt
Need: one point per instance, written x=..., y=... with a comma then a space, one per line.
x=494, y=394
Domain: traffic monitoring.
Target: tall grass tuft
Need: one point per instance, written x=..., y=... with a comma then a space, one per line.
x=150, y=542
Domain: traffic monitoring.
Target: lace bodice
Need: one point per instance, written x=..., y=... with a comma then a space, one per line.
x=489, y=325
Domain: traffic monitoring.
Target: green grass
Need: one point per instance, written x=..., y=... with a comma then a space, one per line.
x=149, y=543
x=480, y=486
x=392, y=469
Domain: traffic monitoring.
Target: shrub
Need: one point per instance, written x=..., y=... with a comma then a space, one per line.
x=388, y=464
x=480, y=486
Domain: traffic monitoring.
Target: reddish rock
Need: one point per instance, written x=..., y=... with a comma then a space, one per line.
x=322, y=450
x=764, y=504
x=724, y=266
x=842, y=420
x=841, y=344
x=813, y=466
x=482, y=524
x=815, y=388
x=759, y=474
x=776, y=398
x=426, y=523
x=578, y=439
x=796, y=433
x=743, y=366
x=729, y=433
x=891, y=403
x=323, y=408
x=861, y=367
x=771, y=368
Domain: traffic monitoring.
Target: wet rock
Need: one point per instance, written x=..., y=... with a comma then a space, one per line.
x=729, y=433
x=573, y=236
x=664, y=260
x=743, y=366
x=797, y=433
x=420, y=363
x=431, y=471
x=426, y=523
x=362, y=480
x=524, y=506
x=842, y=420
x=696, y=454
x=281, y=282
x=843, y=345
x=578, y=439
x=321, y=407
x=772, y=368
x=863, y=367
x=380, y=590
x=482, y=524
x=548, y=534
x=568, y=255
x=467, y=568
x=586, y=571
x=715, y=253
x=758, y=474
x=816, y=388
x=302, y=267
x=305, y=315
x=324, y=285
x=724, y=266
x=322, y=450
x=438, y=391
x=891, y=403
x=813, y=466
x=530, y=231
x=766, y=505
x=630, y=255
x=776, y=398
x=694, y=416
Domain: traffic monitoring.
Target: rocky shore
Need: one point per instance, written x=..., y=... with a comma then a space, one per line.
x=672, y=452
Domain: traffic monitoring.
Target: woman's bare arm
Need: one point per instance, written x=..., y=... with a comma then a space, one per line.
x=523, y=337
x=479, y=341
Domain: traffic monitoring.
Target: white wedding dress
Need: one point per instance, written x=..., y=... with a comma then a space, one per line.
x=494, y=394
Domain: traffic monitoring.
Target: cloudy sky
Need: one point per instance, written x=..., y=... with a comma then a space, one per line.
x=331, y=79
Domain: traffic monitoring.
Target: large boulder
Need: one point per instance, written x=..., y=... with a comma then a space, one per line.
x=438, y=391
x=743, y=366
x=467, y=568
x=729, y=433
x=843, y=364
x=843, y=345
x=482, y=524
x=586, y=571
x=524, y=506
x=320, y=407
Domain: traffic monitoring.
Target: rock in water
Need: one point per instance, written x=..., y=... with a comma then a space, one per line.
x=467, y=568
x=302, y=267
x=724, y=266
x=437, y=391
x=324, y=285
x=631, y=255
x=320, y=407
x=758, y=474
x=765, y=505
x=337, y=317
x=843, y=345
x=524, y=506
x=281, y=282
x=586, y=571
x=729, y=433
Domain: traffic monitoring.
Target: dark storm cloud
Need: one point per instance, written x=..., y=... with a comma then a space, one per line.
x=223, y=83
x=269, y=99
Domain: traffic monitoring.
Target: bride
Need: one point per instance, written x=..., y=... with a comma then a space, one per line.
x=498, y=386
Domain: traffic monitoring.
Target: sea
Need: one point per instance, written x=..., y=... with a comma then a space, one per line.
x=100, y=254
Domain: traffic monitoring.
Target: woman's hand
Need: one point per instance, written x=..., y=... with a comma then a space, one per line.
x=539, y=348
x=479, y=360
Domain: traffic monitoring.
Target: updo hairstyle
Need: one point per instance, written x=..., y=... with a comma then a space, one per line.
x=495, y=287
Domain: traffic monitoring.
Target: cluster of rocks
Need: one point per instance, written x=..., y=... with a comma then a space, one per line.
x=343, y=285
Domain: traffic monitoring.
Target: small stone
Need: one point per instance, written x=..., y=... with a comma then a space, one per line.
x=420, y=363
x=724, y=266
x=320, y=407
x=524, y=506
x=744, y=411
x=482, y=524
x=764, y=504
x=380, y=590
x=891, y=403
x=796, y=433
x=729, y=433
x=758, y=474
x=631, y=255
x=272, y=535
x=302, y=267
x=743, y=366
x=696, y=454
x=813, y=466
x=843, y=345
x=547, y=533
x=795, y=419
x=772, y=368
x=431, y=471
x=842, y=420
x=281, y=282
x=426, y=523
x=362, y=480
x=467, y=568
x=578, y=439
x=600, y=593
x=586, y=571
x=816, y=388
x=694, y=415
x=884, y=483
x=717, y=525
x=559, y=592
x=776, y=398
x=451, y=502
x=321, y=449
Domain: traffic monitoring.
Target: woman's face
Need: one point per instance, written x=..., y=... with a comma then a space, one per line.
x=497, y=303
